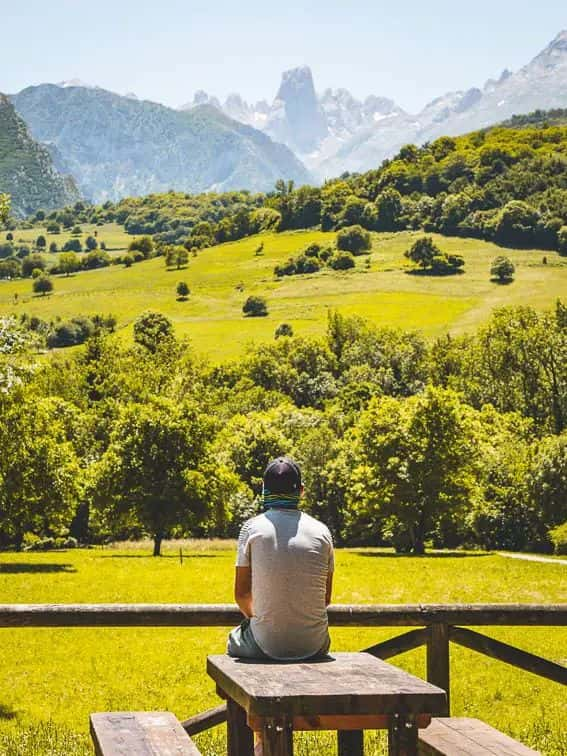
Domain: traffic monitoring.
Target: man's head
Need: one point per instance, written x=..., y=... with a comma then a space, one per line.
x=282, y=483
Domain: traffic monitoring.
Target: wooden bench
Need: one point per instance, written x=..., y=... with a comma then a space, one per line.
x=460, y=736
x=140, y=733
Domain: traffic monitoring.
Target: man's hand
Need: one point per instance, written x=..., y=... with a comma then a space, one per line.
x=329, y=591
x=243, y=590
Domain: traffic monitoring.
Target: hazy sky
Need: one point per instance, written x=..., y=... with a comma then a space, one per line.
x=164, y=50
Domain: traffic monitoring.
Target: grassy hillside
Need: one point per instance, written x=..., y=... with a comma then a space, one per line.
x=222, y=277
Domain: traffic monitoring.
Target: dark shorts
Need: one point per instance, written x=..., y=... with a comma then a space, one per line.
x=242, y=644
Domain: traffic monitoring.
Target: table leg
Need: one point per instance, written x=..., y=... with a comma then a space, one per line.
x=277, y=737
x=402, y=736
x=350, y=742
x=239, y=737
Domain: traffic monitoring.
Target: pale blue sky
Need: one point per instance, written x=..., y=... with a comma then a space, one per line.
x=166, y=49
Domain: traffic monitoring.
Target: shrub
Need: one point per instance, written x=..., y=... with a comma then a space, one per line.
x=42, y=285
x=288, y=268
x=255, y=307
x=182, y=290
x=53, y=228
x=41, y=242
x=91, y=243
x=561, y=240
x=31, y=263
x=284, y=329
x=73, y=245
x=354, y=239
x=53, y=247
x=341, y=261
x=77, y=230
x=70, y=333
x=502, y=268
x=96, y=259
x=558, y=537
x=143, y=244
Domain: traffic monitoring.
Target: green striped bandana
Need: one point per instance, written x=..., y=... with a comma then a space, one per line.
x=283, y=500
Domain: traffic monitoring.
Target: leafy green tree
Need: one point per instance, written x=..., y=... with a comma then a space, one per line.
x=4, y=207
x=548, y=480
x=416, y=464
x=91, y=243
x=422, y=252
x=73, y=245
x=503, y=269
x=182, y=290
x=53, y=227
x=68, y=263
x=389, y=210
x=562, y=240
x=516, y=224
x=39, y=469
x=255, y=307
x=144, y=244
x=152, y=330
x=284, y=329
x=53, y=248
x=31, y=263
x=42, y=285
x=151, y=469
x=177, y=257
x=41, y=242
x=354, y=239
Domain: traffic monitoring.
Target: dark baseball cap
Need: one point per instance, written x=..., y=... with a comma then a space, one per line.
x=282, y=475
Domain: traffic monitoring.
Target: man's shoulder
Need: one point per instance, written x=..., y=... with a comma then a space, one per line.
x=315, y=524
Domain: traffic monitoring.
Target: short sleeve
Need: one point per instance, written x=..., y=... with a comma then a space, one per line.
x=243, y=552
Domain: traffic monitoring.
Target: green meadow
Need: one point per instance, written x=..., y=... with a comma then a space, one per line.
x=51, y=679
x=380, y=288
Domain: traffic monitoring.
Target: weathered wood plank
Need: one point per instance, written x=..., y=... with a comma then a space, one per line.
x=350, y=743
x=346, y=722
x=509, y=654
x=225, y=615
x=277, y=737
x=204, y=721
x=345, y=683
x=460, y=736
x=239, y=737
x=399, y=645
x=145, y=733
x=438, y=663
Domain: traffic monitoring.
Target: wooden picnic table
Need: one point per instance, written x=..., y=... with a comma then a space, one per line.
x=347, y=692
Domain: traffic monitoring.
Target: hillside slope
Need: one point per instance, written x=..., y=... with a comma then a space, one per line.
x=116, y=146
x=26, y=168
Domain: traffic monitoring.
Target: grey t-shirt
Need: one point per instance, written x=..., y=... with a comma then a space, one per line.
x=291, y=555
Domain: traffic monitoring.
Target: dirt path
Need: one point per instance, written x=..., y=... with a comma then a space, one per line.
x=531, y=558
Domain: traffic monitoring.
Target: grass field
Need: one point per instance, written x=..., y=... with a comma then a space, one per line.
x=222, y=277
x=51, y=679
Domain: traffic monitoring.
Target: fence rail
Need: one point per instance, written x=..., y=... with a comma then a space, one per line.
x=226, y=615
x=438, y=626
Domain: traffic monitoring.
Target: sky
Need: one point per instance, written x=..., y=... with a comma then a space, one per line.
x=165, y=50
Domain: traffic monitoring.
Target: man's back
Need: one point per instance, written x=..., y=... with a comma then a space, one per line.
x=291, y=557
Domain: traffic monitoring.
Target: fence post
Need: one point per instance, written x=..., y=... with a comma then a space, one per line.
x=438, y=668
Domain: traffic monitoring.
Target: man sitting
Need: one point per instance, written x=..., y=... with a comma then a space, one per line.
x=284, y=573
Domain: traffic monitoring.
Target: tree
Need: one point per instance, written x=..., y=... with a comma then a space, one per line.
x=31, y=263
x=284, y=329
x=53, y=248
x=152, y=329
x=415, y=464
x=255, y=307
x=561, y=240
x=389, y=209
x=151, y=470
x=9, y=236
x=176, y=257
x=39, y=470
x=182, y=290
x=503, y=269
x=41, y=242
x=144, y=244
x=354, y=239
x=68, y=263
x=73, y=245
x=43, y=285
x=91, y=243
x=422, y=252
x=4, y=207
x=516, y=224
x=548, y=481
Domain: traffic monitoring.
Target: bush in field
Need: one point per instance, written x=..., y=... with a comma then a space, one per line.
x=255, y=307
x=91, y=243
x=176, y=257
x=144, y=244
x=284, y=329
x=182, y=290
x=152, y=329
x=558, y=538
x=427, y=255
x=341, y=261
x=41, y=242
x=502, y=269
x=43, y=285
x=31, y=263
x=354, y=239
x=73, y=245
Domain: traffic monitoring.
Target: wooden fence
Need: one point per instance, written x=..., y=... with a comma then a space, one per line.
x=434, y=625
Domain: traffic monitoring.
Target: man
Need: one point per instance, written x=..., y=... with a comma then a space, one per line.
x=284, y=574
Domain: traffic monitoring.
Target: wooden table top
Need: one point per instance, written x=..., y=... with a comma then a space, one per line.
x=345, y=683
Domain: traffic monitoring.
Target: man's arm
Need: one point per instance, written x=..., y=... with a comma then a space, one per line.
x=329, y=591
x=243, y=590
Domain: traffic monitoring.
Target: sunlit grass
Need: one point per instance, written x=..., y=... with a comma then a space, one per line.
x=61, y=675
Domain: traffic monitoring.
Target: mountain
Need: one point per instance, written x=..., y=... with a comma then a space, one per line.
x=27, y=172
x=333, y=132
x=118, y=146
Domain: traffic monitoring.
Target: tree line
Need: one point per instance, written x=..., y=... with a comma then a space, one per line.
x=461, y=442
